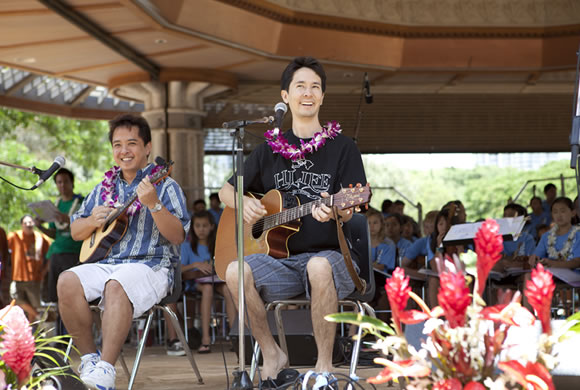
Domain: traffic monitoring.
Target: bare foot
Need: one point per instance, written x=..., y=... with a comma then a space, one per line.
x=273, y=362
x=320, y=368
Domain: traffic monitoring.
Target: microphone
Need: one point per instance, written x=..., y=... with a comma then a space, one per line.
x=280, y=110
x=59, y=161
x=243, y=123
x=367, y=88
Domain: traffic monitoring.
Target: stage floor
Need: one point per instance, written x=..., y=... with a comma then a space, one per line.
x=158, y=371
x=161, y=372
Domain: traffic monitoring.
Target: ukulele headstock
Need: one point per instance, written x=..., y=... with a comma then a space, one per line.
x=353, y=197
x=161, y=171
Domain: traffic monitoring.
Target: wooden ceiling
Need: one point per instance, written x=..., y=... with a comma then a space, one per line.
x=447, y=76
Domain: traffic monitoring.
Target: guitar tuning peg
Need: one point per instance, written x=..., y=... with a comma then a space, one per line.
x=358, y=184
x=357, y=209
x=366, y=206
x=350, y=186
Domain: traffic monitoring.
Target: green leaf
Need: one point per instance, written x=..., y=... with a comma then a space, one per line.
x=574, y=318
x=370, y=323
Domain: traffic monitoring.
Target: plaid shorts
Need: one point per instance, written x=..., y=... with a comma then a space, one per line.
x=277, y=279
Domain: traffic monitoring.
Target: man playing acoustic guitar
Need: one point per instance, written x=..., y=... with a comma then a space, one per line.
x=309, y=161
x=137, y=271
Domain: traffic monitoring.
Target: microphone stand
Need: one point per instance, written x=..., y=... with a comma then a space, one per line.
x=33, y=169
x=241, y=379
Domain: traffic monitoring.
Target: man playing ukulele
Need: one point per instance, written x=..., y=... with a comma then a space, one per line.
x=138, y=270
x=324, y=163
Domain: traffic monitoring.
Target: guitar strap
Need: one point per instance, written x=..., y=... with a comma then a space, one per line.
x=359, y=283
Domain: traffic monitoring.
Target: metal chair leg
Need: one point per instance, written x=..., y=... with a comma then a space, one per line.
x=255, y=360
x=181, y=336
x=140, y=349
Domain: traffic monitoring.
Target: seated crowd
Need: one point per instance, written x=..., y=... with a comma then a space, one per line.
x=550, y=237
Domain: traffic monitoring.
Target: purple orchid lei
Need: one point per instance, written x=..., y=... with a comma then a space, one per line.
x=279, y=144
x=108, y=189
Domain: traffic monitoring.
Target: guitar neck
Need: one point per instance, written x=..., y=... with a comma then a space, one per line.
x=114, y=215
x=294, y=213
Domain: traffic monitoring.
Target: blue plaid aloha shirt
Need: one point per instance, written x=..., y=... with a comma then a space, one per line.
x=142, y=243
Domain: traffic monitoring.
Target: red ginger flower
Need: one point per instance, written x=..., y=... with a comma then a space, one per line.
x=539, y=291
x=488, y=246
x=474, y=386
x=448, y=384
x=398, y=289
x=532, y=376
x=453, y=297
x=17, y=343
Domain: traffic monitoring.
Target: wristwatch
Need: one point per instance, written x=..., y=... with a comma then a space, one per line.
x=158, y=206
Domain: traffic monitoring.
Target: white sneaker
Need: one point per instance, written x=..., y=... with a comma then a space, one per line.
x=101, y=377
x=88, y=362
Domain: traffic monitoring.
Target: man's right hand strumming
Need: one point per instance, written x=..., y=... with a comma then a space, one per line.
x=253, y=210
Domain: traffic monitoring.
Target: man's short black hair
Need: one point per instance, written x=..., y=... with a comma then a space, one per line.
x=548, y=187
x=129, y=121
x=64, y=171
x=399, y=202
x=302, y=62
x=534, y=198
x=214, y=195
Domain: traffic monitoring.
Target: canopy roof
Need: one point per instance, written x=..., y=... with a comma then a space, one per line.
x=446, y=75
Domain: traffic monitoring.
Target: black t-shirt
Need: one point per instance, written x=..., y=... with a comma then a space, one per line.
x=334, y=166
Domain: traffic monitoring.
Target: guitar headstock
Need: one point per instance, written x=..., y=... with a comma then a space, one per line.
x=161, y=171
x=353, y=197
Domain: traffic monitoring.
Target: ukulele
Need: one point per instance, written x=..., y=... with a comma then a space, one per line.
x=270, y=233
x=98, y=245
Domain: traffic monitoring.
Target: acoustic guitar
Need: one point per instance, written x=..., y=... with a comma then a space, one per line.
x=270, y=234
x=98, y=245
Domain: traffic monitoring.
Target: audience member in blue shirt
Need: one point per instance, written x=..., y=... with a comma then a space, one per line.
x=515, y=254
x=416, y=254
x=383, y=250
x=214, y=207
x=410, y=229
x=393, y=229
x=197, y=255
x=550, y=192
x=445, y=219
x=538, y=217
x=560, y=246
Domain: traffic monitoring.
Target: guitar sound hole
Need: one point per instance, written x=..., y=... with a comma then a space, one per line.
x=258, y=229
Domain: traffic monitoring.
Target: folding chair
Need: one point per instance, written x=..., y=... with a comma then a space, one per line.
x=360, y=239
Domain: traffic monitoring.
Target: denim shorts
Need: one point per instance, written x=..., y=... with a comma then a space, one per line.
x=278, y=279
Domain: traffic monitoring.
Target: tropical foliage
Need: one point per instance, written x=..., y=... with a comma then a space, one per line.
x=29, y=139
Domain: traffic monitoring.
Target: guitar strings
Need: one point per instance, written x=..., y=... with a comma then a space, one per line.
x=284, y=216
